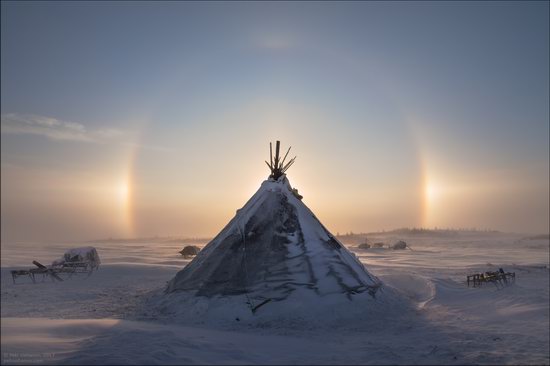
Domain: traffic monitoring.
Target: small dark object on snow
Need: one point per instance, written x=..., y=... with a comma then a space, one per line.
x=399, y=245
x=498, y=278
x=364, y=246
x=190, y=250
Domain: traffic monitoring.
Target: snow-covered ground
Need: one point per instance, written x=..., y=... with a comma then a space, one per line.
x=109, y=318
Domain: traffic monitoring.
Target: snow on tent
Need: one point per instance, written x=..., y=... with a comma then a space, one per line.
x=274, y=252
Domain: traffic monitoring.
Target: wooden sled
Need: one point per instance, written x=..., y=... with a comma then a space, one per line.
x=499, y=278
x=54, y=271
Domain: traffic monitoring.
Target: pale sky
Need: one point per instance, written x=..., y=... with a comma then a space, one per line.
x=137, y=119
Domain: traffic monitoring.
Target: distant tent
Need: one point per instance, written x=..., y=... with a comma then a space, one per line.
x=273, y=249
x=399, y=245
x=190, y=250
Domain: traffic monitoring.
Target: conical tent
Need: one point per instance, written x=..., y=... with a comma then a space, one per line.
x=274, y=248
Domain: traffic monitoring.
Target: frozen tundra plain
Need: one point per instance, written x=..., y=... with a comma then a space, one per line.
x=114, y=317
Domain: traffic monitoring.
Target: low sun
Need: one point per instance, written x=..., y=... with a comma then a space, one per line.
x=122, y=192
x=431, y=192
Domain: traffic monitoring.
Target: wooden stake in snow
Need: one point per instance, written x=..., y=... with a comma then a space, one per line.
x=277, y=166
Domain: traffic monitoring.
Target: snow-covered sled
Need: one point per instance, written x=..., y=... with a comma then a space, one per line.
x=76, y=260
x=498, y=278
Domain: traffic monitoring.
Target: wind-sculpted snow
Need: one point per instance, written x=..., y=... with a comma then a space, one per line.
x=424, y=314
x=272, y=248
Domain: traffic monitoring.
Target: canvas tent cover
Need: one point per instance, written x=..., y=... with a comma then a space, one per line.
x=273, y=248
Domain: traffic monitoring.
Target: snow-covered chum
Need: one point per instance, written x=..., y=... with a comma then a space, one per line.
x=275, y=250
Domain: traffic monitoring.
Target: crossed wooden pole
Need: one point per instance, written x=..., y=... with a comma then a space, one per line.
x=276, y=165
x=47, y=270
